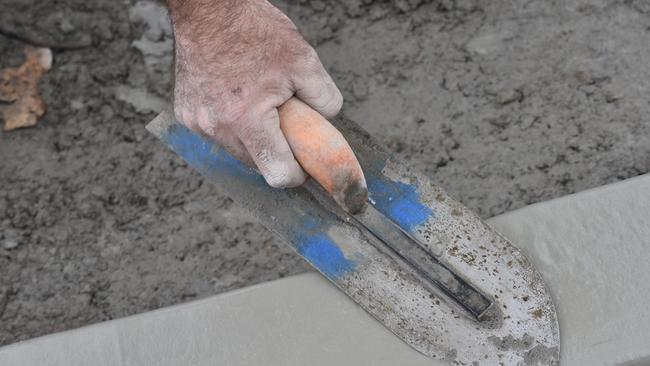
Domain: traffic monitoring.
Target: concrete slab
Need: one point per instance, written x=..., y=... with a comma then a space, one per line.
x=591, y=247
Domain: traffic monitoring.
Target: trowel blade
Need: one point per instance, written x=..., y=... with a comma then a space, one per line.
x=522, y=327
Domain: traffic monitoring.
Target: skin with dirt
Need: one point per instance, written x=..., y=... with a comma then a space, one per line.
x=502, y=103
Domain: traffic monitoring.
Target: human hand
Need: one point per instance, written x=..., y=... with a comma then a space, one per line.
x=236, y=62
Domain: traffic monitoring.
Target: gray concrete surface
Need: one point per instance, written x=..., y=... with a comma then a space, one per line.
x=591, y=248
x=503, y=103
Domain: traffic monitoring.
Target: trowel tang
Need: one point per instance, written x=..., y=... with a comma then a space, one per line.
x=390, y=239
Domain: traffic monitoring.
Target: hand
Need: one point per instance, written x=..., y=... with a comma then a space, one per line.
x=237, y=61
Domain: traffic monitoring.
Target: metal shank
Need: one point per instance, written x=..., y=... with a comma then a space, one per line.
x=394, y=241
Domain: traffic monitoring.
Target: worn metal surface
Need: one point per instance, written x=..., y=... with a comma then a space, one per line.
x=523, y=327
x=391, y=240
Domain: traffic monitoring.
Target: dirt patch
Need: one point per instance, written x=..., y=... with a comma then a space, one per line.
x=503, y=103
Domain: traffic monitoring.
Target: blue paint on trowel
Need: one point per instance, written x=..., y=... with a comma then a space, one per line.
x=399, y=201
x=202, y=154
x=309, y=238
x=326, y=256
x=321, y=251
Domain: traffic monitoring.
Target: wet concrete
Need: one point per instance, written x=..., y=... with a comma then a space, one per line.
x=502, y=103
x=586, y=246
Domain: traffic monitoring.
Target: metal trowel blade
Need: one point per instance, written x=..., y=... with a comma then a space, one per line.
x=487, y=306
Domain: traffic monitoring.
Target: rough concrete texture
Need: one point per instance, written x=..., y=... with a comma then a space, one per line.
x=503, y=103
x=304, y=320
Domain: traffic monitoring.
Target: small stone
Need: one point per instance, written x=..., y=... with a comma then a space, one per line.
x=611, y=97
x=528, y=121
x=98, y=192
x=142, y=101
x=359, y=89
x=87, y=211
x=76, y=104
x=508, y=96
x=408, y=119
x=501, y=121
x=154, y=16
x=89, y=261
x=106, y=112
x=584, y=77
x=9, y=244
x=317, y=5
x=487, y=43
x=104, y=31
x=155, y=49
x=69, y=268
x=378, y=12
x=353, y=8
x=66, y=25
x=86, y=288
x=402, y=5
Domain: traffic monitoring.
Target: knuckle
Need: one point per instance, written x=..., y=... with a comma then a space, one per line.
x=232, y=114
x=312, y=55
x=263, y=156
x=249, y=134
x=336, y=101
x=181, y=114
x=311, y=60
x=186, y=117
x=329, y=101
x=207, y=126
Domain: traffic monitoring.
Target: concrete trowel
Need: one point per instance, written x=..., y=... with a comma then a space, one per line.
x=417, y=260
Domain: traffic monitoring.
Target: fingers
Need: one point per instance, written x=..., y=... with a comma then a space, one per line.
x=184, y=116
x=252, y=135
x=316, y=88
x=236, y=148
x=200, y=120
x=270, y=151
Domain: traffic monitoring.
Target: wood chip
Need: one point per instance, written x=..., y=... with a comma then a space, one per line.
x=19, y=88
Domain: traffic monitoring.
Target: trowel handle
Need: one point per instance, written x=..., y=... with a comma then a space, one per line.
x=324, y=154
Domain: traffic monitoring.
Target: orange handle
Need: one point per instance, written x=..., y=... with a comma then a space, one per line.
x=324, y=154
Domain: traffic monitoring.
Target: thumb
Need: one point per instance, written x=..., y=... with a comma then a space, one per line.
x=317, y=89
